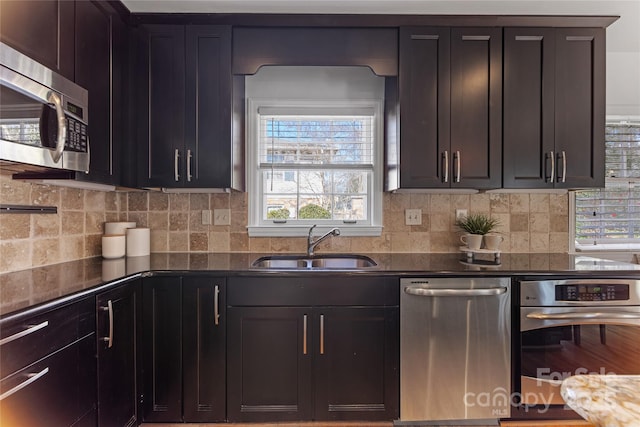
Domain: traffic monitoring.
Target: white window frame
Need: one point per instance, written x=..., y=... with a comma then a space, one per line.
x=259, y=227
x=607, y=245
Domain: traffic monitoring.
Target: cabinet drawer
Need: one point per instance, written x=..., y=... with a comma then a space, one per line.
x=25, y=339
x=55, y=391
x=312, y=291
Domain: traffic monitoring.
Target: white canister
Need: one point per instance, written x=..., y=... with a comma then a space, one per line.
x=138, y=242
x=118, y=227
x=113, y=246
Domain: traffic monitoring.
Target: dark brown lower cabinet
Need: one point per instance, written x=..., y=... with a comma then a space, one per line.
x=204, y=349
x=312, y=363
x=117, y=355
x=356, y=376
x=162, y=349
x=58, y=390
x=269, y=364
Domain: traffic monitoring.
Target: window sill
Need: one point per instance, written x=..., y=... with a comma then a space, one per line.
x=608, y=247
x=303, y=231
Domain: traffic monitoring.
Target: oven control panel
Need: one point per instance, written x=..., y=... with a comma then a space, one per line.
x=592, y=292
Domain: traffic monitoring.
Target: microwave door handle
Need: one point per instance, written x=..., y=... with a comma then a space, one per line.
x=422, y=292
x=595, y=315
x=62, y=126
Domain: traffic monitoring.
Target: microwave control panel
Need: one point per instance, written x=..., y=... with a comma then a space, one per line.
x=592, y=292
x=76, y=135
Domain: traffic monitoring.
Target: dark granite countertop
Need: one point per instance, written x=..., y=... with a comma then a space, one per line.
x=27, y=288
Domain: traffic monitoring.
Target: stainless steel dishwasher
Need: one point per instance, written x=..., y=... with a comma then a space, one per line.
x=455, y=351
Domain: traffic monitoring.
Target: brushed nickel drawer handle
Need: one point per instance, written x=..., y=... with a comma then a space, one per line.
x=32, y=378
x=30, y=329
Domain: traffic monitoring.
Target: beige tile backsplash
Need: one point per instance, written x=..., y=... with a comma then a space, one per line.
x=529, y=223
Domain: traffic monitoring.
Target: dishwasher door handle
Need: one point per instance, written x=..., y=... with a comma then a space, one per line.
x=569, y=315
x=422, y=292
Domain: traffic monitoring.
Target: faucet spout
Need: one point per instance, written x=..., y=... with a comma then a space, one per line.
x=311, y=243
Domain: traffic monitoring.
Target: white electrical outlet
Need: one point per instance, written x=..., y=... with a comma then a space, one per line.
x=206, y=217
x=221, y=217
x=413, y=216
x=461, y=213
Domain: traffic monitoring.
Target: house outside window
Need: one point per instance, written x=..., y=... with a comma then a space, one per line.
x=609, y=218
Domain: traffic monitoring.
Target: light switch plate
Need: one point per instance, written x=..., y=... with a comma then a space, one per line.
x=413, y=216
x=221, y=217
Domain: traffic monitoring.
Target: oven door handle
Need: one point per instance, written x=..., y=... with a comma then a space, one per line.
x=569, y=315
x=422, y=292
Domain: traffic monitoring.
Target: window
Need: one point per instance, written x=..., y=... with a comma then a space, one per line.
x=609, y=218
x=314, y=162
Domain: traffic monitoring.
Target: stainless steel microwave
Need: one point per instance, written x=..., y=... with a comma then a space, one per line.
x=43, y=116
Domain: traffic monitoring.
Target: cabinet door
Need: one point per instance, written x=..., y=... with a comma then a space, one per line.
x=424, y=107
x=529, y=74
x=93, y=72
x=476, y=107
x=580, y=107
x=204, y=349
x=161, y=102
x=42, y=30
x=356, y=367
x=162, y=349
x=208, y=106
x=117, y=352
x=269, y=364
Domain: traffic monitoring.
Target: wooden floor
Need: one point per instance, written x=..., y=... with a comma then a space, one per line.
x=374, y=424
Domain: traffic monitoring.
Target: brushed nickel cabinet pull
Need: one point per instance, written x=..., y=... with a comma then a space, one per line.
x=457, y=166
x=553, y=166
x=189, y=156
x=304, y=334
x=31, y=379
x=30, y=329
x=176, y=156
x=564, y=167
x=109, y=339
x=216, y=305
x=445, y=160
x=322, y=334
x=424, y=37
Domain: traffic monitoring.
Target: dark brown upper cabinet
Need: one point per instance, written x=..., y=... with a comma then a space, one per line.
x=554, y=101
x=254, y=47
x=100, y=67
x=42, y=30
x=450, y=108
x=184, y=108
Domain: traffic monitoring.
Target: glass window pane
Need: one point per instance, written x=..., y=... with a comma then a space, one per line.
x=279, y=181
x=350, y=207
x=318, y=207
x=350, y=182
x=280, y=206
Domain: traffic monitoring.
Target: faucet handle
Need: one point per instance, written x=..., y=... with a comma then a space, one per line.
x=311, y=230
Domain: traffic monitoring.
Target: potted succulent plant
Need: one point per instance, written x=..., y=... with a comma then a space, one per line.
x=476, y=225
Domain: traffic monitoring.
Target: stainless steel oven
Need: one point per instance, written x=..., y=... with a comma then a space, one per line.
x=570, y=327
x=43, y=116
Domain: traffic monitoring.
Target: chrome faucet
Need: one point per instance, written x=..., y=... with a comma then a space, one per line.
x=311, y=244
